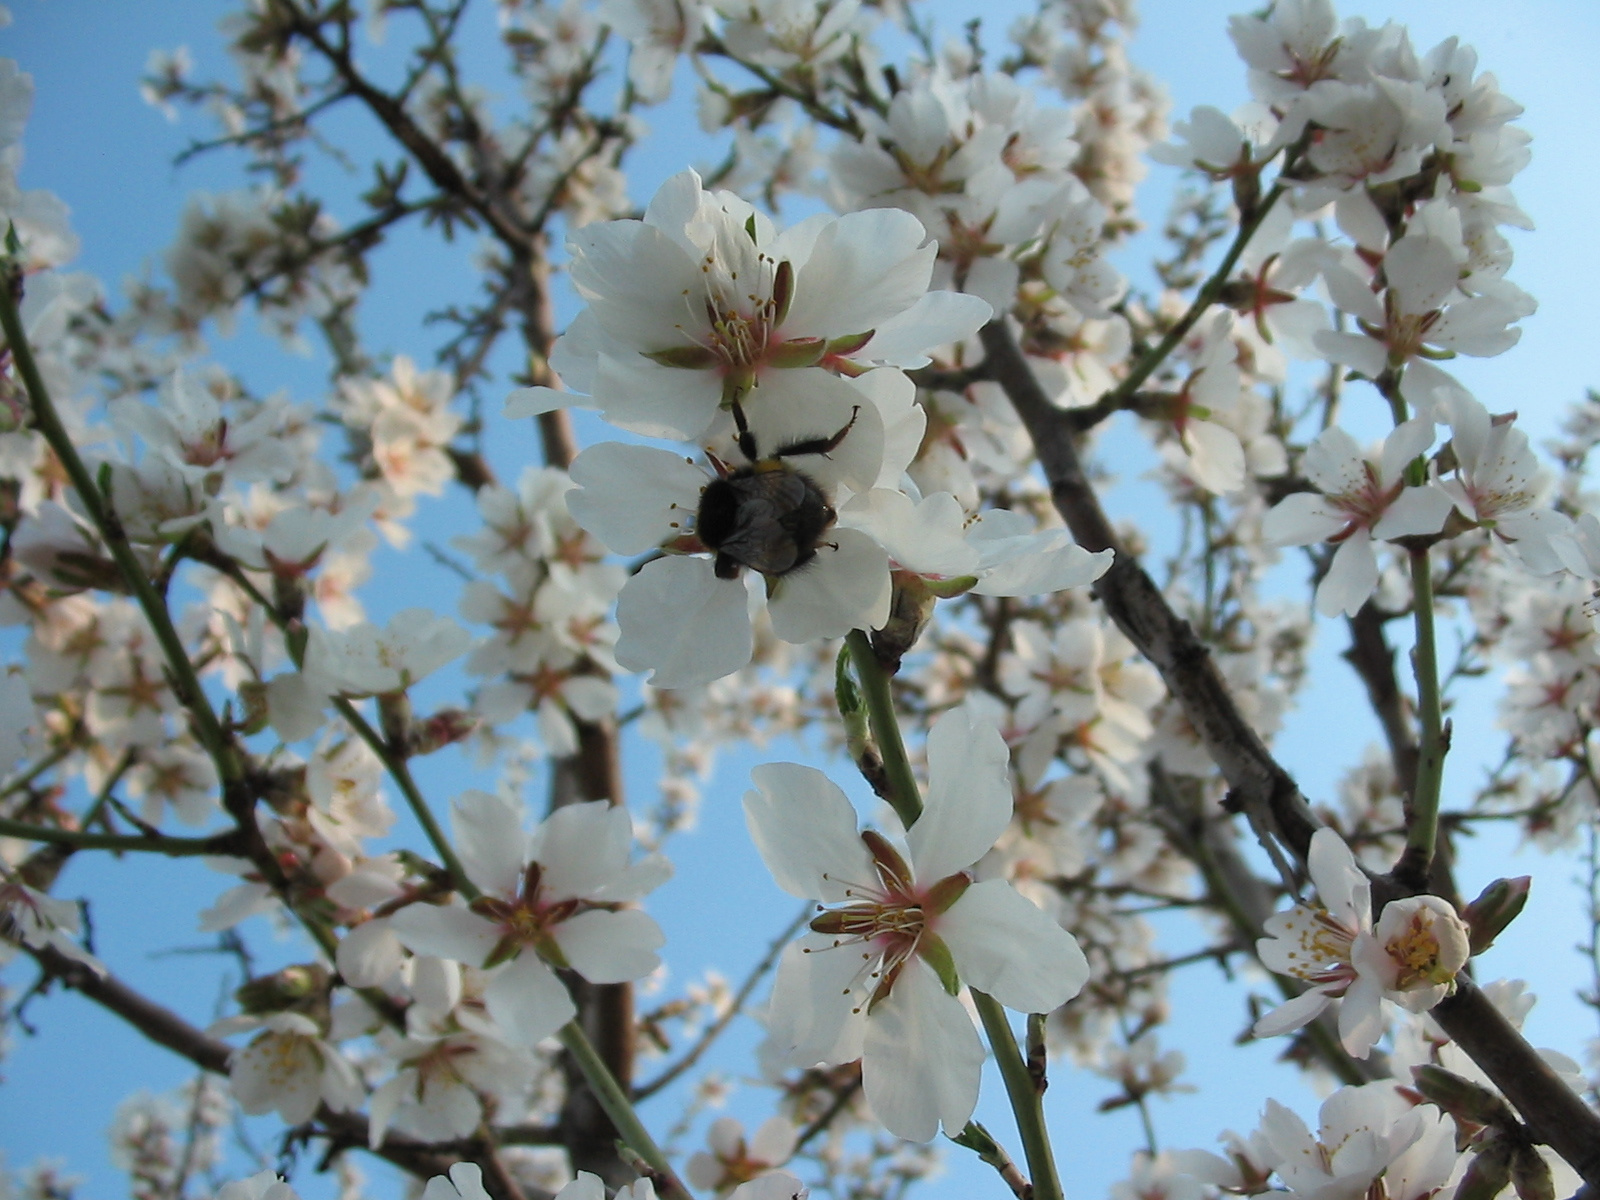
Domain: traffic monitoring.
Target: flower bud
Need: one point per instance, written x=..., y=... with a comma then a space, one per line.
x=1495, y=908
x=1530, y=1175
x=1461, y=1097
x=1488, y=1174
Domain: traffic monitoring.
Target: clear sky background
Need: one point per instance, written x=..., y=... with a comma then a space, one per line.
x=94, y=143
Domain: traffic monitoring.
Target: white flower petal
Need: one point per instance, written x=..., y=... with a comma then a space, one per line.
x=490, y=839
x=805, y=830
x=611, y=947
x=845, y=587
x=527, y=1001
x=921, y=1058
x=969, y=795
x=679, y=619
x=634, y=498
x=1006, y=945
x=454, y=933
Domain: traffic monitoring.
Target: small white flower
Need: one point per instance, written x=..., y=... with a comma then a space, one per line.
x=878, y=976
x=548, y=901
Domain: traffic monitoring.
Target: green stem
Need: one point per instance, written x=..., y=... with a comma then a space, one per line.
x=393, y=763
x=904, y=793
x=185, y=683
x=176, y=847
x=1204, y=299
x=401, y=774
x=1025, y=1096
x=1422, y=829
x=617, y=1106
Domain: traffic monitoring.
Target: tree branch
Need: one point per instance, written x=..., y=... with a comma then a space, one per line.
x=1260, y=785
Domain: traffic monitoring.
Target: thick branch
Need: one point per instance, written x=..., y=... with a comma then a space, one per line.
x=1259, y=784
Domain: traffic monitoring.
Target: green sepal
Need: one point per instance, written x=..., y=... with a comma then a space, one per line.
x=1530, y=1175
x=981, y=1142
x=801, y=352
x=849, y=343
x=689, y=358
x=782, y=292
x=949, y=589
x=932, y=950
x=941, y=897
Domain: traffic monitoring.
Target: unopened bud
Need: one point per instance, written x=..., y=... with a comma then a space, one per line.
x=290, y=989
x=1488, y=1173
x=1496, y=907
x=444, y=728
x=1530, y=1175
x=910, y=608
x=394, y=718
x=1462, y=1097
x=253, y=699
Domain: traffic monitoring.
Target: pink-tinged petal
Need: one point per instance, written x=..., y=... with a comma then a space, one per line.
x=644, y=397
x=1417, y=510
x=921, y=1060
x=1292, y=1014
x=1302, y=519
x=864, y=268
x=1350, y=578
x=581, y=847
x=527, y=1001
x=969, y=795
x=1006, y=945
x=454, y=933
x=490, y=839
x=611, y=947
x=679, y=619
x=845, y=587
x=936, y=319
x=805, y=831
x=817, y=1013
x=633, y=498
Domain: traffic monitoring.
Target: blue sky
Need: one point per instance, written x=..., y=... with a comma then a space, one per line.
x=109, y=157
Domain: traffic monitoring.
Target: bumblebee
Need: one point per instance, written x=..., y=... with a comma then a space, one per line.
x=766, y=515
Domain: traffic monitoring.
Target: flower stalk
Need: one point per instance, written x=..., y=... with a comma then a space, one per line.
x=185, y=682
x=1422, y=827
x=904, y=795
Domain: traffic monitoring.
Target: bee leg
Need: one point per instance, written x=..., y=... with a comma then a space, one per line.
x=819, y=445
x=746, y=439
